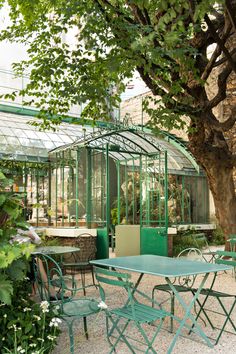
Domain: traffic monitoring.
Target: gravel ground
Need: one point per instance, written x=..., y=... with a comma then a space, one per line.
x=97, y=343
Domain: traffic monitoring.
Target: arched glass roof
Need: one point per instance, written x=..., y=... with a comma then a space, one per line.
x=23, y=142
x=125, y=144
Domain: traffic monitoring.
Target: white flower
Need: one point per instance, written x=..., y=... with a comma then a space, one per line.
x=54, y=322
x=44, y=306
x=37, y=317
x=5, y=315
x=102, y=305
x=32, y=345
x=51, y=337
x=25, y=309
x=20, y=350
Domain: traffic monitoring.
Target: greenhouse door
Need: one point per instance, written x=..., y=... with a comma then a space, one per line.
x=97, y=195
x=153, y=200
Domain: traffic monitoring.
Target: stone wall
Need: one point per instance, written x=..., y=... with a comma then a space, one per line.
x=131, y=113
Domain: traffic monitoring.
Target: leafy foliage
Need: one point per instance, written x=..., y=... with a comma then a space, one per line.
x=218, y=237
x=24, y=324
x=13, y=256
x=174, y=45
x=111, y=40
x=184, y=239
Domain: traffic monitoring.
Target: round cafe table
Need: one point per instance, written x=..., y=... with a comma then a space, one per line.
x=55, y=250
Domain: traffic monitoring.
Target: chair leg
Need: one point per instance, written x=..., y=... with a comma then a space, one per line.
x=71, y=336
x=227, y=315
x=82, y=272
x=85, y=327
x=120, y=336
x=149, y=342
x=172, y=306
x=172, y=310
x=93, y=277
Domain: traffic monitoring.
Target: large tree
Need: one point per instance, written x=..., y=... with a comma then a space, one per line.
x=174, y=45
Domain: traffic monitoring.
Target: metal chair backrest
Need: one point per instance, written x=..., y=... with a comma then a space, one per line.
x=193, y=254
x=200, y=240
x=113, y=278
x=48, y=275
x=226, y=257
x=232, y=241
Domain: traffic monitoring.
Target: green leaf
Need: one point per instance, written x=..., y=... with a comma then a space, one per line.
x=17, y=270
x=3, y=260
x=2, y=199
x=6, y=289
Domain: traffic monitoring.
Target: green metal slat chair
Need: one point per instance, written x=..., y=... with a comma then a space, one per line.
x=228, y=258
x=183, y=284
x=200, y=240
x=48, y=277
x=186, y=285
x=131, y=312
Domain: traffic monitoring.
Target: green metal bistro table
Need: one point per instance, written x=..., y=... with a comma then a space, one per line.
x=55, y=250
x=169, y=268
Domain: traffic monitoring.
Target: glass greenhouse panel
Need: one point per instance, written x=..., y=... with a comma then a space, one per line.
x=154, y=191
x=188, y=198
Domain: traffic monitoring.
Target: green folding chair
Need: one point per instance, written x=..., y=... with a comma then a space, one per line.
x=60, y=291
x=182, y=284
x=132, y=312
x=219, y=296
x=201, y=242
x=232, y=242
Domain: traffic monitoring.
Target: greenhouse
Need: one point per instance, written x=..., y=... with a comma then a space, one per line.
x=127, y=177
x=102, y=178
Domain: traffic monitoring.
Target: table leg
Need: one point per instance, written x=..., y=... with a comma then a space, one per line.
x=196, y=328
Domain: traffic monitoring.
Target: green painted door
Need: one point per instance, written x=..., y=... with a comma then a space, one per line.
x=154, y=240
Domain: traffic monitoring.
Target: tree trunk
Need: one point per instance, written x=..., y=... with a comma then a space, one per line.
x=221, y=184
x=213, y=154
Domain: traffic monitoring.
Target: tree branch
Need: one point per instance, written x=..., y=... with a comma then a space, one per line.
x=222, y=126
x=101, y=4
x=231, y=11
x=223, y=60
x=176, y=106
x=140, y=17
x=215, y=55
x=220, y=42
x=229, y=123
x=222, y=85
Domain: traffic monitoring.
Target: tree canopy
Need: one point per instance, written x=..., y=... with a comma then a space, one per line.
x=174, y=45
x=165, y=41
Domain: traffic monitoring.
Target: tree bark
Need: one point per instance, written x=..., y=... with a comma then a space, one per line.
x=212, y=152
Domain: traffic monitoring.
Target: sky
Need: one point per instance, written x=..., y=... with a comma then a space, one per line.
x=14, y=52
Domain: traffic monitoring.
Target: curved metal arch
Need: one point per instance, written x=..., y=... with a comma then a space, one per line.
x=92, y=138
x=132, y=143
x=97, y=136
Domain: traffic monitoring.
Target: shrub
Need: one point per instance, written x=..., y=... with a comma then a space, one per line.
x=13, y=256
x=218, y=237
x=25, y=326
x=183, y=240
